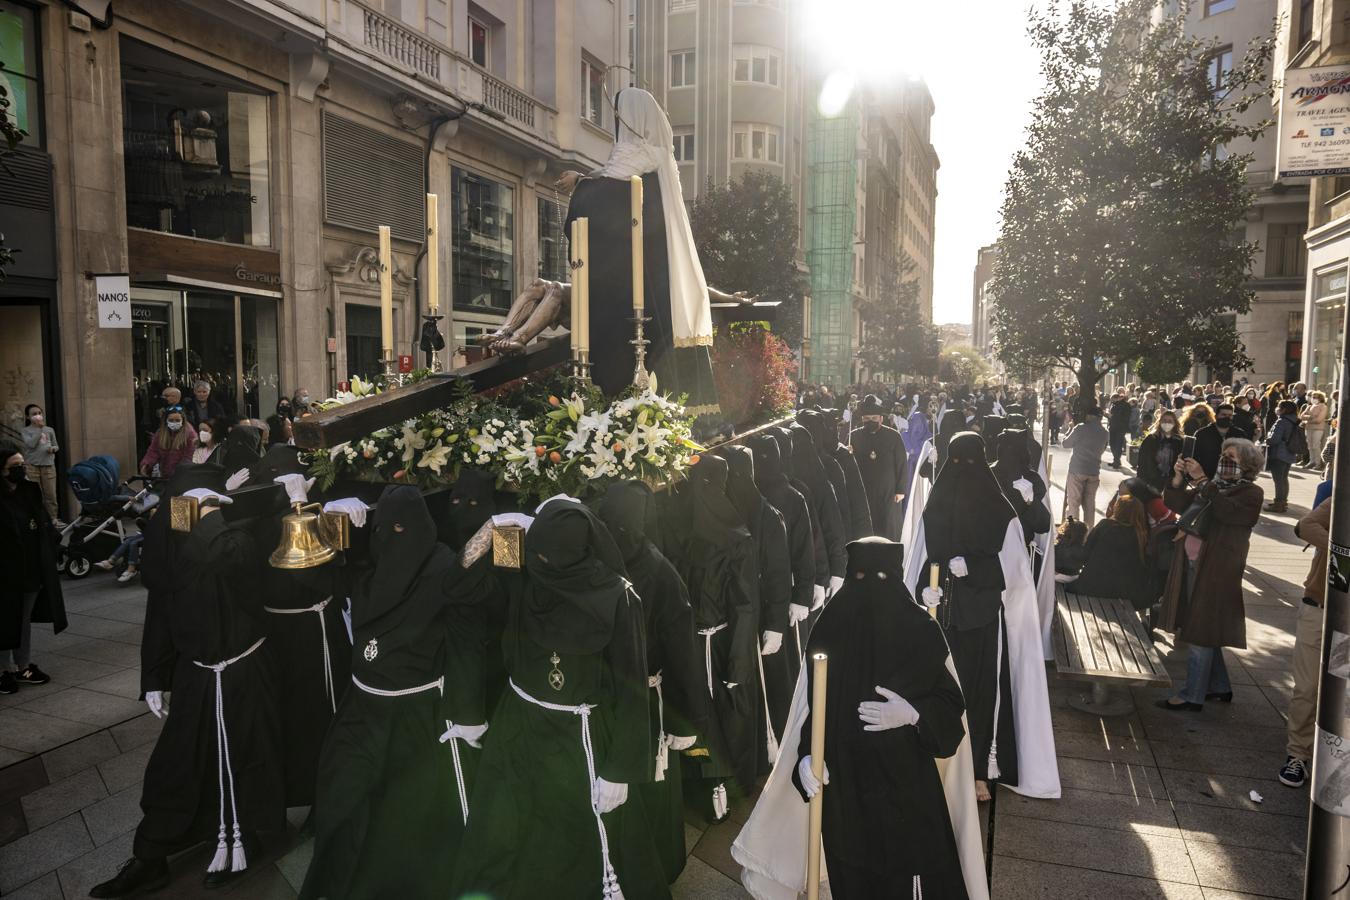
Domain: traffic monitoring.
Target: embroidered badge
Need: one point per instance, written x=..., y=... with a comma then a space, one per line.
x=556, y=678
x=372, y=650
x=872, y=455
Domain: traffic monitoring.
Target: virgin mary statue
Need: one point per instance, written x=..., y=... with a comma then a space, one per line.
x=677, y=294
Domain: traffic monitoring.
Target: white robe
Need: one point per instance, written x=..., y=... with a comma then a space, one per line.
x=915, y=501
x=771, y=848
x=1038, y=769
x=1045, y=584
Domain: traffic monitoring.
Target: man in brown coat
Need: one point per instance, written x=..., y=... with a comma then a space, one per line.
x=1315, y=528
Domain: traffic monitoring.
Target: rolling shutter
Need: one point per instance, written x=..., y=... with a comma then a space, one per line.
x=372, y=179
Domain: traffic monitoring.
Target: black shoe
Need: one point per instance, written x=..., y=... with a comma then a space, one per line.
x=1183, y=706
x=136, y=877
x=1294, y=772
x=8, y=685
x=214, y=880
x=32, y=675
x=1221, y=696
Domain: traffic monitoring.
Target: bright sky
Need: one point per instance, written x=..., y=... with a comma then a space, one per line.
x=983, y=99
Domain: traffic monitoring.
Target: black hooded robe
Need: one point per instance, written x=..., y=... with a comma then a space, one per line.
x=884, y=464
x=967, y=516
x=820, y=550
x=807, y=468
x=854, y=513
x=574, y=636
x=952, y=422
x=1013, y=463
x=388, y=816
x=885, y=813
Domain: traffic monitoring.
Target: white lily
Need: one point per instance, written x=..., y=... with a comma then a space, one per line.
x=334, y=451
x=435, y=458
x=412, y=442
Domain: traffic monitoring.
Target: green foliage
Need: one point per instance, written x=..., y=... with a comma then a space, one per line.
x=962, y=364
x=746, y=235
x=897, y=339
x=754, y=369
x=1120, y=213
x=1164, y=366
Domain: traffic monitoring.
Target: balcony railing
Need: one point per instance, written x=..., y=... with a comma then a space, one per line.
x=401, y=44
x=508, y=101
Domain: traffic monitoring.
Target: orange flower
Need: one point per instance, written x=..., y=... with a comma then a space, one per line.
x=693, y=460
x=618, y=445
x=555, y=457
x=398, y=476
x=540, y=450
x=553, y=401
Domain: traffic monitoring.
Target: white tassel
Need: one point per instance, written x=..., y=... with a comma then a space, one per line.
x=720, y=806
x=220, y=861
x=994, y=773
x=773, y=746
x=238, y=861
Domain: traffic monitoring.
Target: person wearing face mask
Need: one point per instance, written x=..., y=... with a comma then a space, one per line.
x=172, y=444
x=1210, y=438
x=1202, y=602
x=1160, y=448
x=39, y=455
x=209, y=435
x=31, y=590
x=1282, y=451
x=884, y=464
x=1244, y=416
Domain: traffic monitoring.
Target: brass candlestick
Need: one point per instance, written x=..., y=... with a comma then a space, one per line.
x=641, y=378
x=582, y=367
x=390, y=376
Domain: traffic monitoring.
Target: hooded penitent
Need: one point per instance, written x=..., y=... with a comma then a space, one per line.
x=243, y=448
x=804, y=465
x=990, y=429
x=953, y=421
x=1014, y=464
x=853, y=510
x=883, y=464
x=472, y=502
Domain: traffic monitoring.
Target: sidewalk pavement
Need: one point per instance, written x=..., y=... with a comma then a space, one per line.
x=1155, y=804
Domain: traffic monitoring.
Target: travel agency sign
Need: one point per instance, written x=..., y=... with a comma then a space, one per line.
x=1314, y=122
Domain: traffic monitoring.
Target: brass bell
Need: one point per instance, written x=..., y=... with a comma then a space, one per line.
x=302, y=545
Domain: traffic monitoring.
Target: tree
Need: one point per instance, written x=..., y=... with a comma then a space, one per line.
x=962, y=364
x=745, y=232
x=754, y=369
x=896, y=338
x=1119, y=220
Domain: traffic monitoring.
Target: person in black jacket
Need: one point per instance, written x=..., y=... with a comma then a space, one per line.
x=1160, y=449
x=1209, y=439
x=1115, y=566
x=884, y=465
x=1022, y=485
x=1119, y=425
x=31, y=591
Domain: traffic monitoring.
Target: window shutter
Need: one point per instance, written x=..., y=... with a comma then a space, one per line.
x=372, y=179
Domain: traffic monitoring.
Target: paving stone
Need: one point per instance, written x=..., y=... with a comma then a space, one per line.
x=1111, y=778
x=61, y=798
x=1107, y=747
x=1214, y=760
x=114, y=816
x=41, y=851
x=12, y=823
x=113, y=653
x=714, y=848
x=139, y=731
x=125, y=685
x=1249, y=707
x=32, y=732
x=94, y=627
x=1101, y=849
x=80, y=874
x=700, y=881
x=85, y=753
x=122, y=771
x=1263, y=872
x=22, y=778
x=9, y=757
x=1023, y=879
x=82, y=705
x=129, y=611
x=1261, y=829
x=1096, y=808
x=68, y=671
x=295, y=863
x=48, y=887
x=1233, y=791
x=1181, y=729
x=1067, y=719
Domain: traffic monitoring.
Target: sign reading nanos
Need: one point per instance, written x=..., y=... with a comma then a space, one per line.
x=1314, y=122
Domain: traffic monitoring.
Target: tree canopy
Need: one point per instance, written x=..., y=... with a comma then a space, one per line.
x=1122, y=220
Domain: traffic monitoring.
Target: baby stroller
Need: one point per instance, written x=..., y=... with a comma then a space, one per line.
x=106, y=506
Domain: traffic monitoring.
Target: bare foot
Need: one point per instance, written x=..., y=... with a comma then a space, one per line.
x=982, y=794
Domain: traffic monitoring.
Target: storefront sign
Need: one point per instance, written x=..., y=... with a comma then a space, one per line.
x=1315, y=122
x=158, y=257
x=405, y=363
x=113, y=295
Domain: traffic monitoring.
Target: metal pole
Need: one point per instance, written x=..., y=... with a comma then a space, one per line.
x=1328, y=852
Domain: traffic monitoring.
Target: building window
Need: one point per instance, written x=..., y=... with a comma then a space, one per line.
x=480, y=36
x=1285, y=255
x=758, y=143
x=759, y=65
x=196, y=149
x=18, y=50
x=684, y=145
x=682, y=68
x=483, y=243
x=1220, y=66
x=552, y=248
x=1305, y=23
x=1218, y=6
x=593, y=92
x=683, y=5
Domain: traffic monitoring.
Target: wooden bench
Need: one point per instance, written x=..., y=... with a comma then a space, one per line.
x=1103, y=642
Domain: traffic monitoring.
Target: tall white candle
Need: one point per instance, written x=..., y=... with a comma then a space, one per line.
x=433, y=255
x=386, y=292
x=573, y=251
x=636, y=199
x=583, y=282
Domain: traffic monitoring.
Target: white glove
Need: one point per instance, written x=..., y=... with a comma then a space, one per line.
x=773, y=642
x=932, y=455
x=797, y=613
x=958, y=567
x=1023, y=487
x=607, y=796
x=895, y=712
x=470, y=734
x=158, y=701
x=513, y=518
x=932, y=597
x=836, y=582
x=201, y=495
x=354, y=509
x=678, y=742
x=297, y=486
x=808, y=778
x=236, y=480
x=818, y=597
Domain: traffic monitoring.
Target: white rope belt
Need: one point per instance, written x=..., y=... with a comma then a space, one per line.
x=707, y=651
x=770, y=739
x=993, y=770
x=662, y=742
x=611, y=889
x=438, y=684
x=235, y=861
x=323, y=631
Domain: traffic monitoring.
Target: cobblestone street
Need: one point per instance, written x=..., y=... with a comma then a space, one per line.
x=1155, y=805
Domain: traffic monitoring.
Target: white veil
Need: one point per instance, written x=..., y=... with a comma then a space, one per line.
x=645, y=145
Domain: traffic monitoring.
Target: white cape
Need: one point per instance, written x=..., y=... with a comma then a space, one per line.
x=915, y=501
x=1045, y=584
x=1038, y=770
x=771, y=848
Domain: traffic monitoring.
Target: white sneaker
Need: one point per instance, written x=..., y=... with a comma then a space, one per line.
x=105, y=565
x=126, y=576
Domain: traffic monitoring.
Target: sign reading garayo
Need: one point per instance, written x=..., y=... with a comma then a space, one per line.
x=1314, y=122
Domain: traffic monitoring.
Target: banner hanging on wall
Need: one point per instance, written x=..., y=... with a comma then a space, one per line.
x=112, y=293
x=1314, y=122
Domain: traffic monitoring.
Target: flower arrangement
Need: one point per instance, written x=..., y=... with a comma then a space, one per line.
x=555, y=435
x=753, y=368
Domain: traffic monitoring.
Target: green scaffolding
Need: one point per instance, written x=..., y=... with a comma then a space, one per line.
x=832, y=166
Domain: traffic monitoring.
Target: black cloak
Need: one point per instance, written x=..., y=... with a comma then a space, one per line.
x=885, y=818
x=25, y=510
x=242, y=449
x=990, y=428
x=952, y=422
x=884, y=464
x=1013, y=463
x=807, y=468
x=819, y=551
x=855, y=523
x=857, y=491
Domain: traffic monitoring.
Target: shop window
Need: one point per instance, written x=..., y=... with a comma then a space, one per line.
x=593, y=92
x=1285, y=255
x=552, y=248
x=363, y=341
x=483, y=242
x=19, y=78
x=682, y=68
x=197, y=149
